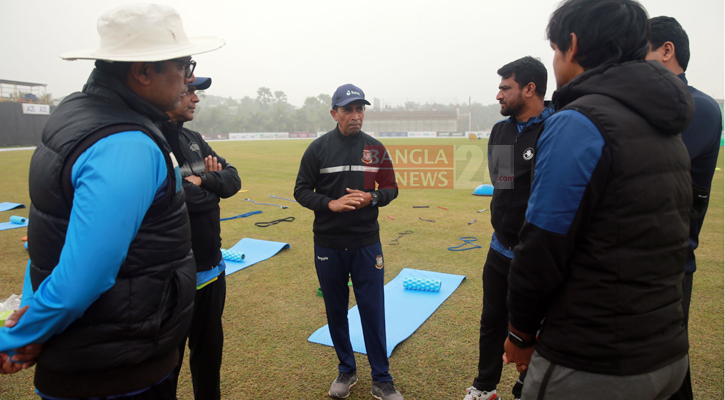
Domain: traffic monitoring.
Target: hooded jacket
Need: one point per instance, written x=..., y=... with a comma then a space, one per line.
x=602, y=252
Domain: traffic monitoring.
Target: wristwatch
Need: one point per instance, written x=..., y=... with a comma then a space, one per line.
x=374, y=198
x=519, y=342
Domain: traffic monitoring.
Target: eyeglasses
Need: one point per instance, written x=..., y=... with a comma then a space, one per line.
x=189, y=66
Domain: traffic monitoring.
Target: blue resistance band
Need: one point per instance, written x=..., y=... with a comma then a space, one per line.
x=242, y=215
x=466, y=240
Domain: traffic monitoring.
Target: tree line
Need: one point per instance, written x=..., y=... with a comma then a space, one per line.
x=270, y=112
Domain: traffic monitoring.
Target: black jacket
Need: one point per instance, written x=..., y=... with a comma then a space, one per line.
x=609, y=287
x=202, y=201
x=333, y=163
x=508, y=204
x=128, y=338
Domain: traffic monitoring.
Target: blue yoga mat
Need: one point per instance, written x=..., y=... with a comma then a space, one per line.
x=405, y=310
x=254, y=251
x=10, y=225
x=10, y=206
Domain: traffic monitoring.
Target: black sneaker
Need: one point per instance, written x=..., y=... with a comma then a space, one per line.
x=385, y=391
x=340, y=388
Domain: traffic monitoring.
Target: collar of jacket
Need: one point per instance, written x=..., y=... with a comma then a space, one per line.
x=349, y=140
x=548, y=111
x=103, y=85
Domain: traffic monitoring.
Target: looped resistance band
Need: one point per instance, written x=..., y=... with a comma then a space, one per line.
x=466, y=240
x=265, y=204
x=275, y=222
x=242, y=215
x=395, y=241
x=281, y=198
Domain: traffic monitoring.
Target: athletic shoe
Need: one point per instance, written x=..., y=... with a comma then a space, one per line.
x=340, y=388
x=474, y=394
x=385, y=391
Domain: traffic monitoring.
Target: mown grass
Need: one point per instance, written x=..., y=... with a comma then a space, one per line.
x=272, y=307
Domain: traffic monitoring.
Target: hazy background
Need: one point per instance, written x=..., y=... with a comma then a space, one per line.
x=395, y=50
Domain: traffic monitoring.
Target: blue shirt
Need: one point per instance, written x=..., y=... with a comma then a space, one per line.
x=115, y=181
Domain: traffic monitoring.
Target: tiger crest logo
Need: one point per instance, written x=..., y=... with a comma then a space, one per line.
x=367, y=157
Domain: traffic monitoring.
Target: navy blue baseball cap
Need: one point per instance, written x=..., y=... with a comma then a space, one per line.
x=346, y=94
x=201, y=83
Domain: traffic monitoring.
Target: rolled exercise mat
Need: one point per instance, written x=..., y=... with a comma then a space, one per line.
x=424, y=284
x=232, y=255
x=18, y=220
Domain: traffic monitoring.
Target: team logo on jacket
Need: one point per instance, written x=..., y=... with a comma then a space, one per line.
x=367, y=157
x=529, y=153
x=195, y=148
x=379, y=262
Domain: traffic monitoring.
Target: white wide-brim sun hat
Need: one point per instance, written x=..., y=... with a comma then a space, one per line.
x=144, y=32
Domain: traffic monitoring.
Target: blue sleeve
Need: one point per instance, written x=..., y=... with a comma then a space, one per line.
x=705, y=128
x=27, y=288
x=115, y=183
x=567, y=152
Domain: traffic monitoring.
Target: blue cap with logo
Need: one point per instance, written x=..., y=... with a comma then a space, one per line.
x=346, y=94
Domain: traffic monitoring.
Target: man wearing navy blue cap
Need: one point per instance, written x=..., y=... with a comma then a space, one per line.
x=207, y=178
x=344, y=180
x=670, y=45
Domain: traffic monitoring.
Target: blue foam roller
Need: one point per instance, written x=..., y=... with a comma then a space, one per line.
x=18, y=220
x=232, y=255
x=424, y=284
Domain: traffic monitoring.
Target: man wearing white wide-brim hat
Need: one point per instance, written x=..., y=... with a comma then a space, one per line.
x=112, y=272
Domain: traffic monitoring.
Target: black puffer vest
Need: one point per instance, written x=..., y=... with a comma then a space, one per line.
x=508, y=206
x=619, y=311
x=128, y=338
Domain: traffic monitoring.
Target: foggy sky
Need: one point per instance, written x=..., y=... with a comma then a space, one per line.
x=395, y=50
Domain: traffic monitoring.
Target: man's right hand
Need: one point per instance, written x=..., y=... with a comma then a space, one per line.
x=346, y=203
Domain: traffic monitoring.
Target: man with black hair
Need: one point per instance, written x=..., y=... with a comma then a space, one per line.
x=111, y=267
x=670, y=45
x=595, y=283
x=344, y=179
x=208, y=177
x=511, y=151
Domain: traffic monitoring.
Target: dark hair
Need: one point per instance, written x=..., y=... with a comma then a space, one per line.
x=607, y=31
x=525, y=70
x=119, y=70
x=667, y=29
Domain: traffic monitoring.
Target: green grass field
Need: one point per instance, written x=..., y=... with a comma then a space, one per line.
x=272, y=307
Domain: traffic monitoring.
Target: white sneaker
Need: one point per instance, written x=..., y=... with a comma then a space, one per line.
x=474, y=394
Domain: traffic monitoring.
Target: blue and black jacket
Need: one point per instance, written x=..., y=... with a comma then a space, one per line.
x=333, y=163
x=599, y=267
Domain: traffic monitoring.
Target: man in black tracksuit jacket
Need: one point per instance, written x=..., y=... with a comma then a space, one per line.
x=599, y=265
x=207, y=178
x=521, y=95
x=337, y=180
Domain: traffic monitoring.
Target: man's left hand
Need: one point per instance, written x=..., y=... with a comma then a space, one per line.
x=26, y=356
x=367, y=198
x=520, y=357
x=212, y=164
